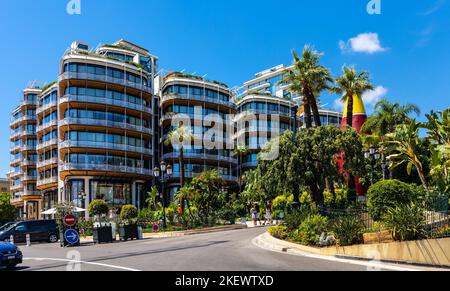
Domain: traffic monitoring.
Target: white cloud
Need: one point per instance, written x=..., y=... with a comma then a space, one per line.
x=370, y=98
x=368, y=43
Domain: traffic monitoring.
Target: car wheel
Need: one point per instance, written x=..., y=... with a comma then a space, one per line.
x=53, y=238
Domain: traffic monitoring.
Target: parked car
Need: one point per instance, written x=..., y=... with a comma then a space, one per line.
x=39, y=230
x=10, y=255
x=6, y=226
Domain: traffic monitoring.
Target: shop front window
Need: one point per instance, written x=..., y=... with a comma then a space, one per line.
x=115, y=194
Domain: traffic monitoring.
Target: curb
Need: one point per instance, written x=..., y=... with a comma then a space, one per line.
x=266, y=241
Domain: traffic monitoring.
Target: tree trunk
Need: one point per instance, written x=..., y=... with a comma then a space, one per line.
x=422, y=177
x=307, y=112
x=350, y=111
x=181, y=160
x=315, y=110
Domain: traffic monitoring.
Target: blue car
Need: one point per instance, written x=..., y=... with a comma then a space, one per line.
x=10, y=255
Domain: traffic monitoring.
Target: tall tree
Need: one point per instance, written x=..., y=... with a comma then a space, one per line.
x=308, y=79
x=387, y=117
x=438, y=126
x=7, y=211
x=179, y=138
x=403, y=144
x=240, y=152
x=350, y=84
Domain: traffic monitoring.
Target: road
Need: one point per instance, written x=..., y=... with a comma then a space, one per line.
x=220, y=251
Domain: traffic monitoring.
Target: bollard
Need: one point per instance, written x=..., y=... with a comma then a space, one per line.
x=11, y=239
x=28, y=240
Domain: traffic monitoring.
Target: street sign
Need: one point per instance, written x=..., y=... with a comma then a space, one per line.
x=71, y=236
x=70, y=220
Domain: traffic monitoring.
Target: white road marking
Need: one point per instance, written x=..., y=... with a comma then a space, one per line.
x=372, y=265
x=83, y=262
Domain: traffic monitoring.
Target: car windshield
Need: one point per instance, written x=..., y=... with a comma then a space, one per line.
x=7, y=227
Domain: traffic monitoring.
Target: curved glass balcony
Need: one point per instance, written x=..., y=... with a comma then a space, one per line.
x=47, y=106
x=105, y=146
x=28, y=163
x=28, y=148
x=105, y=123
x=104, y=100
x=46, y=144
x=47, y=125
x=191, y=175
x=106, y=79
x=105, y=168
x=22, y=119
x=172, y=96
x=28, y=178
x=45, y=163
x=51, y=180
x=201, y=156
x=31, y=193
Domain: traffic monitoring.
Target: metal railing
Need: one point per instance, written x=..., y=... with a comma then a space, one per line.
x=201, y=156
x=48, y=162
x=45, y=144
x=104, y=100
x=51, y=180
x=105, y=146
x=105, y=123
x=105, y=78
x=105, y=168
x=172, y=96
x=47, y=106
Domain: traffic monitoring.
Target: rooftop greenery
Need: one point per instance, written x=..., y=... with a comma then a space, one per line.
x=193, y=77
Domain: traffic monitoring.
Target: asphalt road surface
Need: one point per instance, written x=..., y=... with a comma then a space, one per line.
x=220, y=251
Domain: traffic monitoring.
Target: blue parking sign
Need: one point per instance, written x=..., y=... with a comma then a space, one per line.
x=72, y=237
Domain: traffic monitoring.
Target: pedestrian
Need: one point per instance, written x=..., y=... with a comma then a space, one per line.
x=254, y=213
x=268, y=213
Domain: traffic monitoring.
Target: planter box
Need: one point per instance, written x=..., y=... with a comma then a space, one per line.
x=127, y=232
x=378, y=237
x=102, y=234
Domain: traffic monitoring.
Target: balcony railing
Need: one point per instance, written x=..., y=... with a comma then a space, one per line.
x=191, y=175
x=16, y=187
x=172, y=96
x=266, y=112
x=28, y=162
x=23, y=118
x=105, y=78
x=46, y=181
x=104, y=168
x=104, y=100
x=15, y=135
x=45, y=144
x=47, y=106
x=105, y=123
x=201, y=156
x=105, y=146
x=28, y=148
x=48, y=162
x=31, y=193
x=27, y=178
x=15, y=148
x=47, y=125
x=15, y=174
x=16, y=161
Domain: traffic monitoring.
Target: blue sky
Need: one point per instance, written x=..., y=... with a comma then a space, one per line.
x=405, y=48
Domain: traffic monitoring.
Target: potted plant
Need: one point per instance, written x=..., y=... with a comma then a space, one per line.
x=128, y=229
x=102, y=231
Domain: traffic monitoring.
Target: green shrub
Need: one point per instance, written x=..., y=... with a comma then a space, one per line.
x=348, y=230
x=406, y=222
x=310, y=230
x=129, y=213
x=294, y=219
x=279, y=231
x=98, y=207
x=86, y=225
x=388, y=194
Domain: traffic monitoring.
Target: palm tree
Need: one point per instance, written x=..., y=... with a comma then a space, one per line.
x=350, y=84
x=404, y=143
x=387, y=117
x=178, y=138
x=308, y=79
x=240, y=151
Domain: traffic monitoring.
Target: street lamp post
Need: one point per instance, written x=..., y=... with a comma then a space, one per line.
x=373, y=156
x=163, y=172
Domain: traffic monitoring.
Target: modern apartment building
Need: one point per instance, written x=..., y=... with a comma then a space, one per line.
x=204, y=105
x=23, y=138
x=264, y=95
